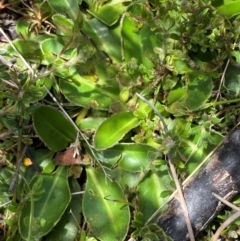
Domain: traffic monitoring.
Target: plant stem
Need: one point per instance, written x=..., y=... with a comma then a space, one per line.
x=223, y=102
x=18, y=165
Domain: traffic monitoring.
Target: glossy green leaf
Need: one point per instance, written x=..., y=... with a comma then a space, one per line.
x=53, y=128
x=195, y=152
x=6, y=176
x=85, y=92
x=181, y=66
x=68, y=227
x=136, y=157
x=127, y=179
x=114, y=128
x=65, y=25
x=69, y=7
x=43, y=159
x=133, y=157
x=232, y=81
x=46, y=202
x=230, y=8
x=138, y=40
x=106, y=39
x=22, y=28
x=199, y=90
x=38, y=90
x=90, y=124
x=150, y=189
x=143, y=110
x=109, y=13
x=109, y=157
x=176, y=101
x=29, y=49
x=105, y=207
x=176, y=95
x=3, y=72
x=51, y=47
x=68, y=30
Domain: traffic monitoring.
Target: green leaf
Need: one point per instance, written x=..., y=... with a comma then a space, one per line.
x=44, y=159
x=108, y=13
x=6, y=175
x=195, y=151
x=134, y=157
x=181, y=66
x=51, y=47
x=85, y=92
x=69, y=7
x=198, y=92
x=90, y=124
x=150, y=189
x=138, y=40
x=65, y=25
x=68, y=30
x=175, y=95
x=106, y=39
x=22, y=27
x=105, y=208
x=114, y=128
x=67, y=228
x=38, y=90
x=29, y=49
x=53, y=128
x=230, y=8
x=128, y=180
x=232, y=81
x=48, y=199
x=143, y=110
x=176, y=101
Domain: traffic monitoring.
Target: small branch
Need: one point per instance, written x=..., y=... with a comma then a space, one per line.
x=5, y=204
x=155, y=110
x=231, y=219
x=18, y=165
x=174, y=173
x=77, y=193
x=222, y=102
x=232, y=206
x=222, y=79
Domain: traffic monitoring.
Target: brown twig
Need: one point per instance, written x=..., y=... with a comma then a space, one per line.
x=232, y=206
x=222, y=79
x=18, y=165
x=231, y=219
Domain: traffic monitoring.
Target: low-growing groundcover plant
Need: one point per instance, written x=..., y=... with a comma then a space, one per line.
x=83, y=156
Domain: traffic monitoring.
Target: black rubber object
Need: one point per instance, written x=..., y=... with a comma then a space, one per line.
x=221, y=175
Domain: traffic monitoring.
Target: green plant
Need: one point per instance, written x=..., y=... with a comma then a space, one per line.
x=83, y=63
